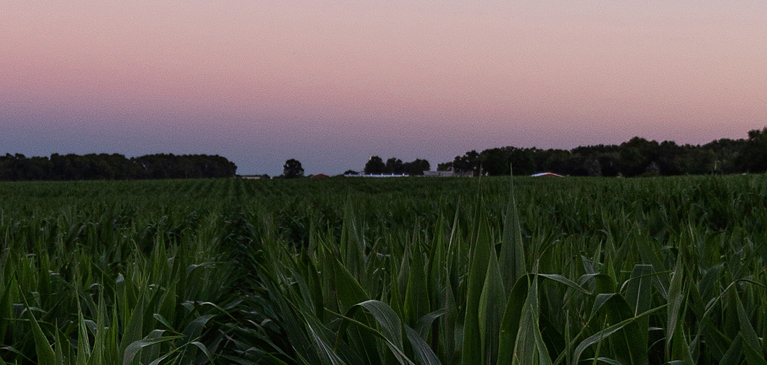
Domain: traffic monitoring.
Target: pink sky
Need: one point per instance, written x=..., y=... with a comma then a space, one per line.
x=332, y=82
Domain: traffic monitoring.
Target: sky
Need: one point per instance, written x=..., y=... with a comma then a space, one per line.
x=331, y=83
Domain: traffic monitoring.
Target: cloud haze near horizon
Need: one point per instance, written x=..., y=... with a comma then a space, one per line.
x=331, y=83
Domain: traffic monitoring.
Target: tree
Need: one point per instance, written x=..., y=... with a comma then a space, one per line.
x=522, y=161
x=416, y=167
x=469, y=162
x=292, y=169
x=592, y=167
x=394, y=166
x=495, y=161
x=753, y=155
x=636, y=155
x=727, y=152
x=375, y=165
x=652, y=170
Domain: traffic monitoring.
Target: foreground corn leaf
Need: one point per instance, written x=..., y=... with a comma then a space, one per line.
x=512, y=259
x=472, y=335
x=45, y=355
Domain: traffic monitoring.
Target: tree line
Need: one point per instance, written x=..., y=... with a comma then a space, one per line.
x=636, y=157
x=395, y=166
x=114, y=167
x=375, y=166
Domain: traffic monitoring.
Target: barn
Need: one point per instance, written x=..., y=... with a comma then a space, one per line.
x=546, y=174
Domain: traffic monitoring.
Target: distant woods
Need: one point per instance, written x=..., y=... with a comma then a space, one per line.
x=636, y=157
x=114, y=167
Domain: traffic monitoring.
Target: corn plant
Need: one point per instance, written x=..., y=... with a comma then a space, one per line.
x=350, y=271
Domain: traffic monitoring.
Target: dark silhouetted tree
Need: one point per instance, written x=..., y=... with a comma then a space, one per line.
x=753, y=155
x=469, y=162
x=394, y=166
x=416, y=167
x=375, y=165
x=445, y=166
x=292, y=169
x=592, y=167
x=495, y=161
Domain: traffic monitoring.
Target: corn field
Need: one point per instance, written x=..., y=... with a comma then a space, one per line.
x=385, y=271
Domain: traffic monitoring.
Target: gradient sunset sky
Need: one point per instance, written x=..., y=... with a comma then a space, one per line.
x=332, y=82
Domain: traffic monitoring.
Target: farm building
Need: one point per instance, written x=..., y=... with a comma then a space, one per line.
x=546, y=174
x=439, y=173
x=252, y=177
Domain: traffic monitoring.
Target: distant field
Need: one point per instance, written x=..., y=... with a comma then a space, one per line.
x=382, y=271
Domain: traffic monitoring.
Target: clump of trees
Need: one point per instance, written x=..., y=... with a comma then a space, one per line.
x=636, y=157
x=375, y=165
x=114, y=167
x=753, y=155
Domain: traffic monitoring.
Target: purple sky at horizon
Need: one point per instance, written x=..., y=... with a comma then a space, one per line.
x=331, y=83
